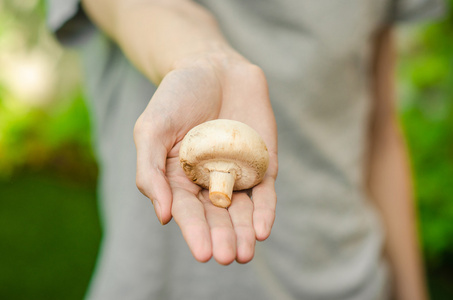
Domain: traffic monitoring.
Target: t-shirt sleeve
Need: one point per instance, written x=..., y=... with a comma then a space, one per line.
x=402, y=11
x=68, y=21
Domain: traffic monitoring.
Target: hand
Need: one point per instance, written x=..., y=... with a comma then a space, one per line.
x=198, y=90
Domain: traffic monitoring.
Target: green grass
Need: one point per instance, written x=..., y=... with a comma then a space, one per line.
x=49, y=235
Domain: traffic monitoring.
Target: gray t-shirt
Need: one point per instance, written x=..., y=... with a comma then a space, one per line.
x=327, y=239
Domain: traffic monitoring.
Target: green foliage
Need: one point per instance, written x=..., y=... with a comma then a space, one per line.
x=49, y=237
x=426, y=81
x=44, y=122
x=38, y=138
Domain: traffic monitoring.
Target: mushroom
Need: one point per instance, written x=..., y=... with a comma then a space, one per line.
x=222, y=156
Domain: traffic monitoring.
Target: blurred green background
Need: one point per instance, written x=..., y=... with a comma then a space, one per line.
x=49, y=230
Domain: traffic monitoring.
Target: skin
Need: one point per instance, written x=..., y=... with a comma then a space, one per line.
x=389, y=177
x=177, y=45
x=200, y=78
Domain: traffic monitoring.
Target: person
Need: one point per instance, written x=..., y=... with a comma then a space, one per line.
x=320, y=70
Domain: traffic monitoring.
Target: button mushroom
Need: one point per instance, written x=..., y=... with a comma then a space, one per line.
x=222, y=156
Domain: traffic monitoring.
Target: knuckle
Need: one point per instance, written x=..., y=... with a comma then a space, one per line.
x=248, y=70
x=139, y=126
x=140, y=183
x=254, y=71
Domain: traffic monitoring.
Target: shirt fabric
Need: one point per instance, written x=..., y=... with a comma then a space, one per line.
x=327, y=239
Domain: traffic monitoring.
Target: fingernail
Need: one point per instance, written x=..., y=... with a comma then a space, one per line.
x=158, y=210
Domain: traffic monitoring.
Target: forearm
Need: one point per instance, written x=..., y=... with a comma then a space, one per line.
x=391, y=188
x=390, y=183
x=157, y=35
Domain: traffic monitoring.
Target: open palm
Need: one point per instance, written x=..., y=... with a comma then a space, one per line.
x=185, y=98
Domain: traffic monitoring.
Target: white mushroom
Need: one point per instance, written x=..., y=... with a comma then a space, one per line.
x=224, y=155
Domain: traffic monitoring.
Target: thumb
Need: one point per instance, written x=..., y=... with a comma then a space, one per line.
x=151, y=177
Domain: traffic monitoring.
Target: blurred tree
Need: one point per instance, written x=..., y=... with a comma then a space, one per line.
x=43, y=119
x=426, y=85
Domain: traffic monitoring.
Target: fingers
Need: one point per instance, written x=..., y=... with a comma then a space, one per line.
x=189, y=214
x=264, y=201
x=232, y=233
x=227, y=235
x=241, y=211
x=222, y=233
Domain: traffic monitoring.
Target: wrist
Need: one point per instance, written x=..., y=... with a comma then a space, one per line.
x=217, y=57
x=160, y=37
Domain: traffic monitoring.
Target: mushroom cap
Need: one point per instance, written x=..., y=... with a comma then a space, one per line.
x=226, y=146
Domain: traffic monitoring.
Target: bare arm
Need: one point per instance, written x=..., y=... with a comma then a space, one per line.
x=157, y=34
x=178, y=45
x=390, y=179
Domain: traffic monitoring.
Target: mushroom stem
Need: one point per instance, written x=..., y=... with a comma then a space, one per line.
x=221, y=187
